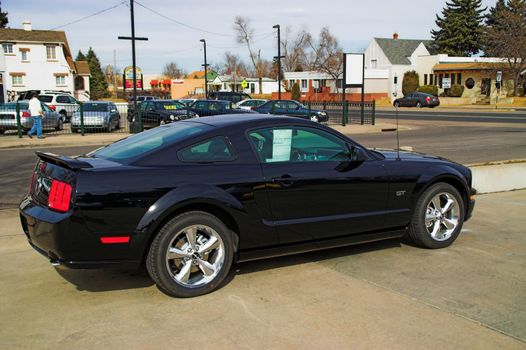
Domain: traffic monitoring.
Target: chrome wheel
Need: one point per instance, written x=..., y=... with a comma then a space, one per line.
x=442, y=216
x=314, y=118
x=195, y=256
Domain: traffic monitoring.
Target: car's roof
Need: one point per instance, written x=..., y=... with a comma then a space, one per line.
x=98, y=102
x=245, y=119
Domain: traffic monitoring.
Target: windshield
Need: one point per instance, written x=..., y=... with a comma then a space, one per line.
x=95, y=107
x=12, y=106
x=45, y=98
x=133, y=147
x=168, y=105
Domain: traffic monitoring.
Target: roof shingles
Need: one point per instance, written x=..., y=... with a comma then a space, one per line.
x=398, y=51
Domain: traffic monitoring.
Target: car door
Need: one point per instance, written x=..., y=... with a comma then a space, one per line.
x=50, y=120
x=295, y=109
x=315, y=190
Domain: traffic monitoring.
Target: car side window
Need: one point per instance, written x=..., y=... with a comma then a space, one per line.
x=297, y=144
x=292, y=105
x=62, y=99
x=201, y=105
x=216, y=149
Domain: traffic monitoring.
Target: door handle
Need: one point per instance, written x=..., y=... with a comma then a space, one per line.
x=285, y=180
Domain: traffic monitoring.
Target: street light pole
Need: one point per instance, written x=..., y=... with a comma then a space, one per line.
x=279, y=57
x=206, y=68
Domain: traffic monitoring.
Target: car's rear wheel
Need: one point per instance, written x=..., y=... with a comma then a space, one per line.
x=191, y=255
x=63, y=116
x=396, y=104
x=438, y=217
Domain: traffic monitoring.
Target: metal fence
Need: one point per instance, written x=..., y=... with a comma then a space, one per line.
x=344, y=113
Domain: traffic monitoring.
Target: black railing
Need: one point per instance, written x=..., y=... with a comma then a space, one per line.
x=344, y=113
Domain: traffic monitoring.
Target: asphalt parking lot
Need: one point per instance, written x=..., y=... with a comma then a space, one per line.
x=386, y=295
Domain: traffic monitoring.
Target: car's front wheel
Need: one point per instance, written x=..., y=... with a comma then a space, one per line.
x=191, y=255
x=438, y=217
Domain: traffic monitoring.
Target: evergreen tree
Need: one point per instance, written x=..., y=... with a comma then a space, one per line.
x=80, y=56
x=492, y=16
x=460, y=31
x=3, y=18
x=98, y=84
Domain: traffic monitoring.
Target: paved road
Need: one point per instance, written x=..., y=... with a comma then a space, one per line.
x=518, y=117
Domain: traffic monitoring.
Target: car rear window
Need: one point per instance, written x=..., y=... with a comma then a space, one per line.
x=45, y=98
x=139, y=145
x=95, y=107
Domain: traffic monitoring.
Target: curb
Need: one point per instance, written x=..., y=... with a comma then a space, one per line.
x=499, y=176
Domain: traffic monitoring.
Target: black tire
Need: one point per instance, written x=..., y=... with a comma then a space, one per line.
x=63, y=116
x=418, y=105
x=60, y=125
x=156, y=261
x=418, y=233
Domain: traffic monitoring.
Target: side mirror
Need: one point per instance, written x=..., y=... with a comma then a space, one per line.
x=358, y=154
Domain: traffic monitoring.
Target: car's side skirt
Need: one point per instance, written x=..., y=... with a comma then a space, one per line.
x=304, y=247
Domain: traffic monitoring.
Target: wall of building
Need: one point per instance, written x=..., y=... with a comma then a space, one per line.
x=374, y=52
x=39, y=71
x=187, y=87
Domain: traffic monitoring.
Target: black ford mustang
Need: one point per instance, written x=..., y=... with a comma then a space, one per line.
x=190, y=198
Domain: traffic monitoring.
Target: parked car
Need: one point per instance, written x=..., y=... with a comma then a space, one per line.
x=250, y=103
x=63, y=103
x=140, y=99
x=98, y=115
x=52, y=120
x=292, y=108
x=231, y=96
x=417, y=99
x=190, y=198
x=205, y=108
x=159, y=112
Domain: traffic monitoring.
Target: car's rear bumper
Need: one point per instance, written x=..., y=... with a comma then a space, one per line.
x=65, y=240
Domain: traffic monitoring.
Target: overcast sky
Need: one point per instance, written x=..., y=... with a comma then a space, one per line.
x=354, y=24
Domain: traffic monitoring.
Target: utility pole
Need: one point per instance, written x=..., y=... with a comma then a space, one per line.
x=279, y=57
x=133, y=38
x=206, y=68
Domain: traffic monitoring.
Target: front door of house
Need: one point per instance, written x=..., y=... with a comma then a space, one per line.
x=485, y=88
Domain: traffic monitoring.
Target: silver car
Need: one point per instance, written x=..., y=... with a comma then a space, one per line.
x=100, y=115
x=52, y=120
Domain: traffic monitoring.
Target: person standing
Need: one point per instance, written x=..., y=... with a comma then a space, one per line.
x=37, y=114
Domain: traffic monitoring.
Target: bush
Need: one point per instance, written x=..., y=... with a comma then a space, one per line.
x=295, y=92
x=410, y=83
x=456, y=90
x=429, y=89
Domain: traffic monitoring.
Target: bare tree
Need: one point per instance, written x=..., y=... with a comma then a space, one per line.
x=295, y=50
x=507, y=39
x=234, y=64
x=171, y=70
x=326, y=55
x=245, y=35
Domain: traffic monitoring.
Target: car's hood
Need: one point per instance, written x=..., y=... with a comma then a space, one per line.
x=406, y=155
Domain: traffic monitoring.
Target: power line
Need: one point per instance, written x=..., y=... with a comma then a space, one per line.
x=89, y=16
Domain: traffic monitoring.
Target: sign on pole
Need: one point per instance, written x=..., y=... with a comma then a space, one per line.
x=244, y=84
x=353, y=76
x=499, y=76
x=446, y=83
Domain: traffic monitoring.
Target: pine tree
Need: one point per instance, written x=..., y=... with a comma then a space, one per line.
x=492, y=16
x=80, y=56
x=98, y=84
x=3, y=18
x=460, y=30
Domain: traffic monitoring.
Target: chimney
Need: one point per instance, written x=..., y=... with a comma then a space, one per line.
x=27, y=25
x=395, y=35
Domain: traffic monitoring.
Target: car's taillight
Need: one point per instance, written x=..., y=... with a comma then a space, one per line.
x=53, y=108
x=59, y=196
x=428, y=98
x=26, y=114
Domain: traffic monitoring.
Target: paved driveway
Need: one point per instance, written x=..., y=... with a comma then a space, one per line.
x=384, y=295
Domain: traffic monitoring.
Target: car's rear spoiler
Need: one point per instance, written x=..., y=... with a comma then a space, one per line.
x=63, y=161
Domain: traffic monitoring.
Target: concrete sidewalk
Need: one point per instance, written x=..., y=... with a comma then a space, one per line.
x=100, y=139
x=376, y=296
x=460, y=108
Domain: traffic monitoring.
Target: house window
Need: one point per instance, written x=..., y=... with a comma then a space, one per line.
x=17, y=80
x=425, y=79
x=374, y=64
x=430, y=79
x=61, y=80
x=24, y=56
x=304, y=83
x=252, y=88
x=51, y=52
x=395, y=80
x=453, y=78
x=79, y=83
x=440, y=76
x=459, y=78
x=8, y=49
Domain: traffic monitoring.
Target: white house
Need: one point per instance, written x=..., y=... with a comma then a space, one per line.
x=233, y=82
x=397, y=56
x=41, y=60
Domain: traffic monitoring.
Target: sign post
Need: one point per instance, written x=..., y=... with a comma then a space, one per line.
x=244, y=84
x=499, y=82
x=353, y=76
